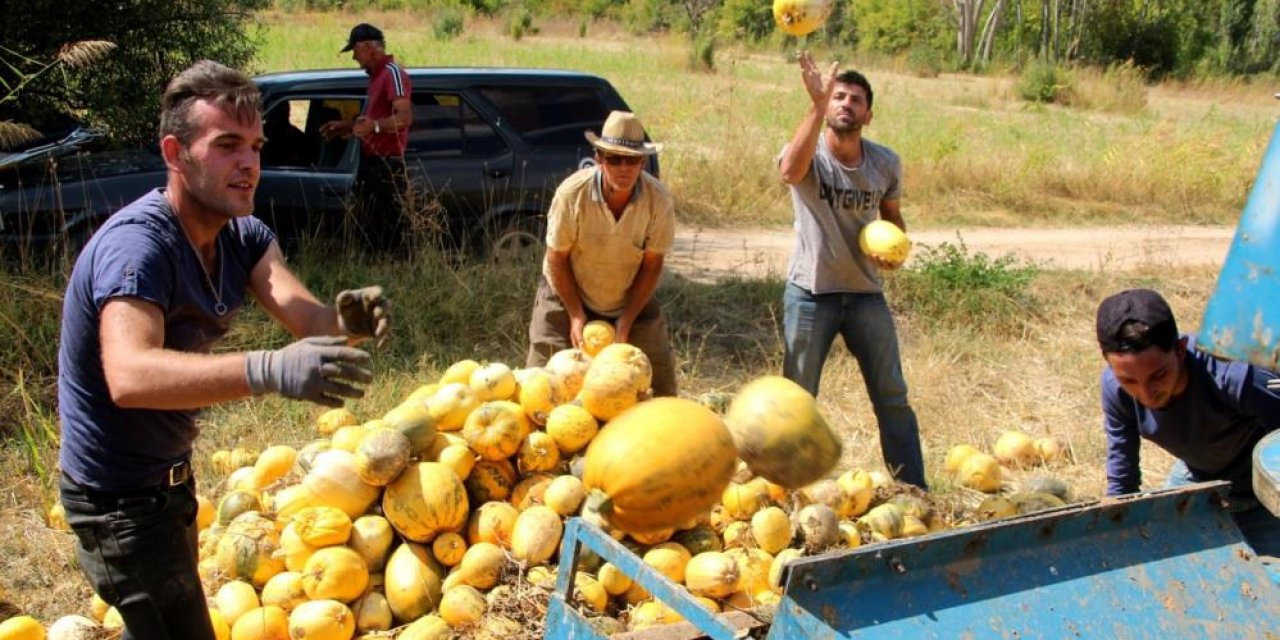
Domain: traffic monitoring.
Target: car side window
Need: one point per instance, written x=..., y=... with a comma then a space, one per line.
x=292, y=128
x=444, y=125
x=549, y=116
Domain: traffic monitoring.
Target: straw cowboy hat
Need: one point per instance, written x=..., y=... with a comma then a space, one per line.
x=622, y=134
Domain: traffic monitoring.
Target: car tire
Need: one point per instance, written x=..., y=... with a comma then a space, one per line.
x=520, y=239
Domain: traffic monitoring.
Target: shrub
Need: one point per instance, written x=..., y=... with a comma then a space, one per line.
x=1120, y=88
x=448, y=24
x=947, y=285
x=1041, y=82
x=520, y=22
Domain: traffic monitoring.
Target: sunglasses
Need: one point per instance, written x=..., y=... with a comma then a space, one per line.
x=614, y=160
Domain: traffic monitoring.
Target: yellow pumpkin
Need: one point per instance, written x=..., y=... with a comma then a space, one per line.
x=21, y=628
x=381, y=456
x=459, y=372
x=564, y=495
x=263, y=623
x=462, y=606
x=1050, y=449
x=221, y=630
x=481, y=567
x=372, y=612
x=669, y=558
x=629, y=354
x=334, y=419
x=540, y=393
x=412, y=420
x=494, y=523
x=741, y=501
x=530, y=490
x=879, y=238
x=640, y=483
x=495, y=429
x=274, y=463
x=422, y=392
x=780, y=433
x=235, y=503
x=858, y=489
x=205, y=512
x=1016, y=449
x=234, y=598
x=779, y=563
x=371, y=537
x=571, y=427
x=427, y=499
x=981, y=472
x=284, y=590
x=956, y=456
x=885, y=519
x=490, y=480
x=493, y=381
x=771, y=529
x=292, y=499
x=597, y=335
x=431, y=627
x=322, y=526
x=711, y=574
x=413, y=582
x=614, y=581
x=348, y=438
x=571, y=366
x=610, y=388
x=536, y=535
x=753, y=569
x=335, y=573
x=335, y=481
x=451, y=405
x=247, y=549
x=322, y=620
x=458, y=457
x=538, y=452
x=449, y=548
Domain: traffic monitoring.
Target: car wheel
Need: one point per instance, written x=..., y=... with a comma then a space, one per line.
x=518, y=240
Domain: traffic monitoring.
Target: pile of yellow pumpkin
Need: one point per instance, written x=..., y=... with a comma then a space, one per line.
x=415, y=524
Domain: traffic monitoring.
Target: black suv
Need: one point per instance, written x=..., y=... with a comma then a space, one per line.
x=487, y=149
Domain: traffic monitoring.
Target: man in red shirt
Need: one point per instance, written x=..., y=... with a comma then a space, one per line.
x=383, y=129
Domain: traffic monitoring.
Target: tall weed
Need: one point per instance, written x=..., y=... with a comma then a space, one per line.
x=1120, y=88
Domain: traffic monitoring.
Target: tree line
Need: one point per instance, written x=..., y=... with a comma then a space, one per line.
x=49, y=84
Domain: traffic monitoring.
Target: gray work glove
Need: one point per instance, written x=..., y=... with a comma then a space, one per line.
x=364, y=313
x=318, y=369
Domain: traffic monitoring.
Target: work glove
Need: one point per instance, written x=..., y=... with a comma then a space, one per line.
x=364, y=313
x=319, y=369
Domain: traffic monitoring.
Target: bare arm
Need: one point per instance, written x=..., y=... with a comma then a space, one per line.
x=142, y=374
x=400, y=119
x=641, y=291
x=798, y=156
x=286, y=299
x=567, y=289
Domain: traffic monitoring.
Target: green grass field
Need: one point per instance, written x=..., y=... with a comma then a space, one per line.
x=1001, y=352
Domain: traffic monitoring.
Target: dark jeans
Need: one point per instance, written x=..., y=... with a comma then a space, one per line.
x=549, y=333
x=810, y=324
x=139, y=552
x=380, y=188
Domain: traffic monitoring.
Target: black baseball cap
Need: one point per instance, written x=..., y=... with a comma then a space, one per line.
x=360, y=33
x=1134, y=305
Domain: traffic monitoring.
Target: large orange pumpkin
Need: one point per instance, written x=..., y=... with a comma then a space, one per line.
x=658, y=464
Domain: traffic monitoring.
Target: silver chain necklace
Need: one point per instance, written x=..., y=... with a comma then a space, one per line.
x=218, y=307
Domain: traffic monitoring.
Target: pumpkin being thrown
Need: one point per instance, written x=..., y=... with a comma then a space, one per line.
x=780, y=434
x=658, y=464
x=801, y=17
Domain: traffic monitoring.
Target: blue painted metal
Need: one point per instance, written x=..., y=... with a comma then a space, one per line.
x=1242, y=319
x=1266, y=473
x=1168, y=564
x=564, y=622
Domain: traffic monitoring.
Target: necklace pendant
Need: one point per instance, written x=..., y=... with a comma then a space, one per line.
x=220, y=309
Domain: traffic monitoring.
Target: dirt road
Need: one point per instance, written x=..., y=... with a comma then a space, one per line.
x=707, y=254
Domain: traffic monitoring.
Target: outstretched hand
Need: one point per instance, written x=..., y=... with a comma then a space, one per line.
x=818, y=85
x=364, y=313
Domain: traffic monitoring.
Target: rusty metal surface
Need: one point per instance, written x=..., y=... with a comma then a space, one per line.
x=1242, y=318
x=1169, y=564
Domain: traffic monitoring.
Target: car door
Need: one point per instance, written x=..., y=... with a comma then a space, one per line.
x=460, y=166
x=306, y=182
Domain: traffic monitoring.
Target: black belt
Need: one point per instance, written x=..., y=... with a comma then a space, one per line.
x=175, y=476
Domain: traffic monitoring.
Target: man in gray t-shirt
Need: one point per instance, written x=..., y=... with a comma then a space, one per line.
x=839, y=183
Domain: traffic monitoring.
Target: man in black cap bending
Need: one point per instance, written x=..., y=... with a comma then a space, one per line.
x=1207, y=413
x=383, y=129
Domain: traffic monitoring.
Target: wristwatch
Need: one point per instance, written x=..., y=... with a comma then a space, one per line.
x=376, y=128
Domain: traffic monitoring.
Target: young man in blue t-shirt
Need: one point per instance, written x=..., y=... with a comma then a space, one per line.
x=149, y=295
x=1206, y=412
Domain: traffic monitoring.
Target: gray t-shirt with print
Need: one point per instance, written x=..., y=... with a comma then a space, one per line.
x=832, y=205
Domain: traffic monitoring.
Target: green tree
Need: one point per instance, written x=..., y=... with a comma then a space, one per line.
x=155, y=39
x=895, y=26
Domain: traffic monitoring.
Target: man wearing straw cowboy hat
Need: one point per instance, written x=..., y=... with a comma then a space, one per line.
x=608, y=231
